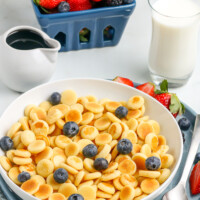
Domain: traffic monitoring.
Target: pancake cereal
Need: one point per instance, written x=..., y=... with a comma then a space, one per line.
x=45, y=141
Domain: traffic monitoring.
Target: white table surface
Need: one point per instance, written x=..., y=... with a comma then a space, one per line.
x=128, y=59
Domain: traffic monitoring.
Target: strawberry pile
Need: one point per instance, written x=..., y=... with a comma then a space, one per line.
x=169, y=100
x=61, y=6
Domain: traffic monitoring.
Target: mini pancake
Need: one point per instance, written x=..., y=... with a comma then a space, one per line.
x=142, y=109
x=102, y=139
x=135, y=102
x=87, y=118
x=111, y=106
x=127, y=193
x=28, y=109
x=121, y=158
x=108, y=158
x=30, y=168
x=89, y=165
x=31, y=186
x=44, y=138
x=115, y=196
x=67, y=189
x=21, y=146
x=53, y=115
x=102, y=194
x=104, y=152
x=73, y=115
x=61, y=107
x=60, y=123
x=167, y=160
x=112, y=117
x=127, y=166
x=68, y=168
x=149, y=174
x=79, y=178
x=165, y=173
x=75, y=162
x=92, y=176
x=24, y=123
x=89, y=183
x=118, y=185
x=50, y=181
x=115, y=130
x=44, y=191
x=156, y=126
x=5, y=163
x=127, y=179
x=10, y=154
x=76, y=138
x=98, y=115
x=71, y=149
x=58, y=151
x=132, y=124
x=91, y=98
x=144, y=129
x=106, y=187
x=82, y=100
x=111, y=176
x=162, y=149
x=94, y=107
x=56, y=196
x=56, y=132
x=45, y=154
x=61, y=141
x=111, y=167
x=69, y=97
x=88, y=192
x=13, y=175
x=45, y=167
x=146, y=149
x=113, y=143
x=52, y=141
x=21, y=161
x=140, y=141
x=17, y=139
x=143, y=119
x=45, y=105
x=22, y=153
x=102, y=123
x=133, y=114
x=161, y=140
x=138, y=191
x=40, y=127
x=139, y=159
x=71, y=178
x=38, y=178
x=57, y=160
x=78, y=107
x=27, y=137
x=149, y=185
x=136, y=149
x=124, y=126
x=51, y=128
x=131, y=135
x=140, y=197
x=14, y=129
x=114, y=153
x=37, y=146
x=152, y=140
x=89, y=132
x=104, y=101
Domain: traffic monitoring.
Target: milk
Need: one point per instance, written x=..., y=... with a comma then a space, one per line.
x=173, y=49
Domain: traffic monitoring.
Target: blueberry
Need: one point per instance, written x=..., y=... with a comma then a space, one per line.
x=60, y=175
x=124, y=146
x=75, y=197
x=6, y=143
x=100, y=164
x=63, y=7
x=197, y=158
x=152, y=163
x=23, y=176
x=90, y=151
x=55, y=98
x=184, y=124
x=121, y=112
x=70, y=129
x=127, y=1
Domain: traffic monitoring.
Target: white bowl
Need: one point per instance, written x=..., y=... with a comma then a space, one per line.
x=101, y=89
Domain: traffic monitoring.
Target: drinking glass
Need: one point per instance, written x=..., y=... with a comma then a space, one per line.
x=173, y=50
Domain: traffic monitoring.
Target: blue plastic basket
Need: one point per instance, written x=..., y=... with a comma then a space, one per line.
x=65, y=27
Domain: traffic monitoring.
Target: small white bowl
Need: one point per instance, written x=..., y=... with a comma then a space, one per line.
x=101, y=89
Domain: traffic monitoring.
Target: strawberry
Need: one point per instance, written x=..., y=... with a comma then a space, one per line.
x=169, y=100
x=147, y=88
x=123, y=80
x=195, y=179
x=76, y=5
x=48, y=4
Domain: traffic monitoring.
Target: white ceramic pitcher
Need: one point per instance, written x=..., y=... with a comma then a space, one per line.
x=26, y=65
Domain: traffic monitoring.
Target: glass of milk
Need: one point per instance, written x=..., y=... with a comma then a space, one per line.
x=173, y=49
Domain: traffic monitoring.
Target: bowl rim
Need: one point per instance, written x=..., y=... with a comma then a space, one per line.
x=161, y=188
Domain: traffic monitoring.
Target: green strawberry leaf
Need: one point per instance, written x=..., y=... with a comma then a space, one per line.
x=175, y=105
x=164, y=86
x=45, y=10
